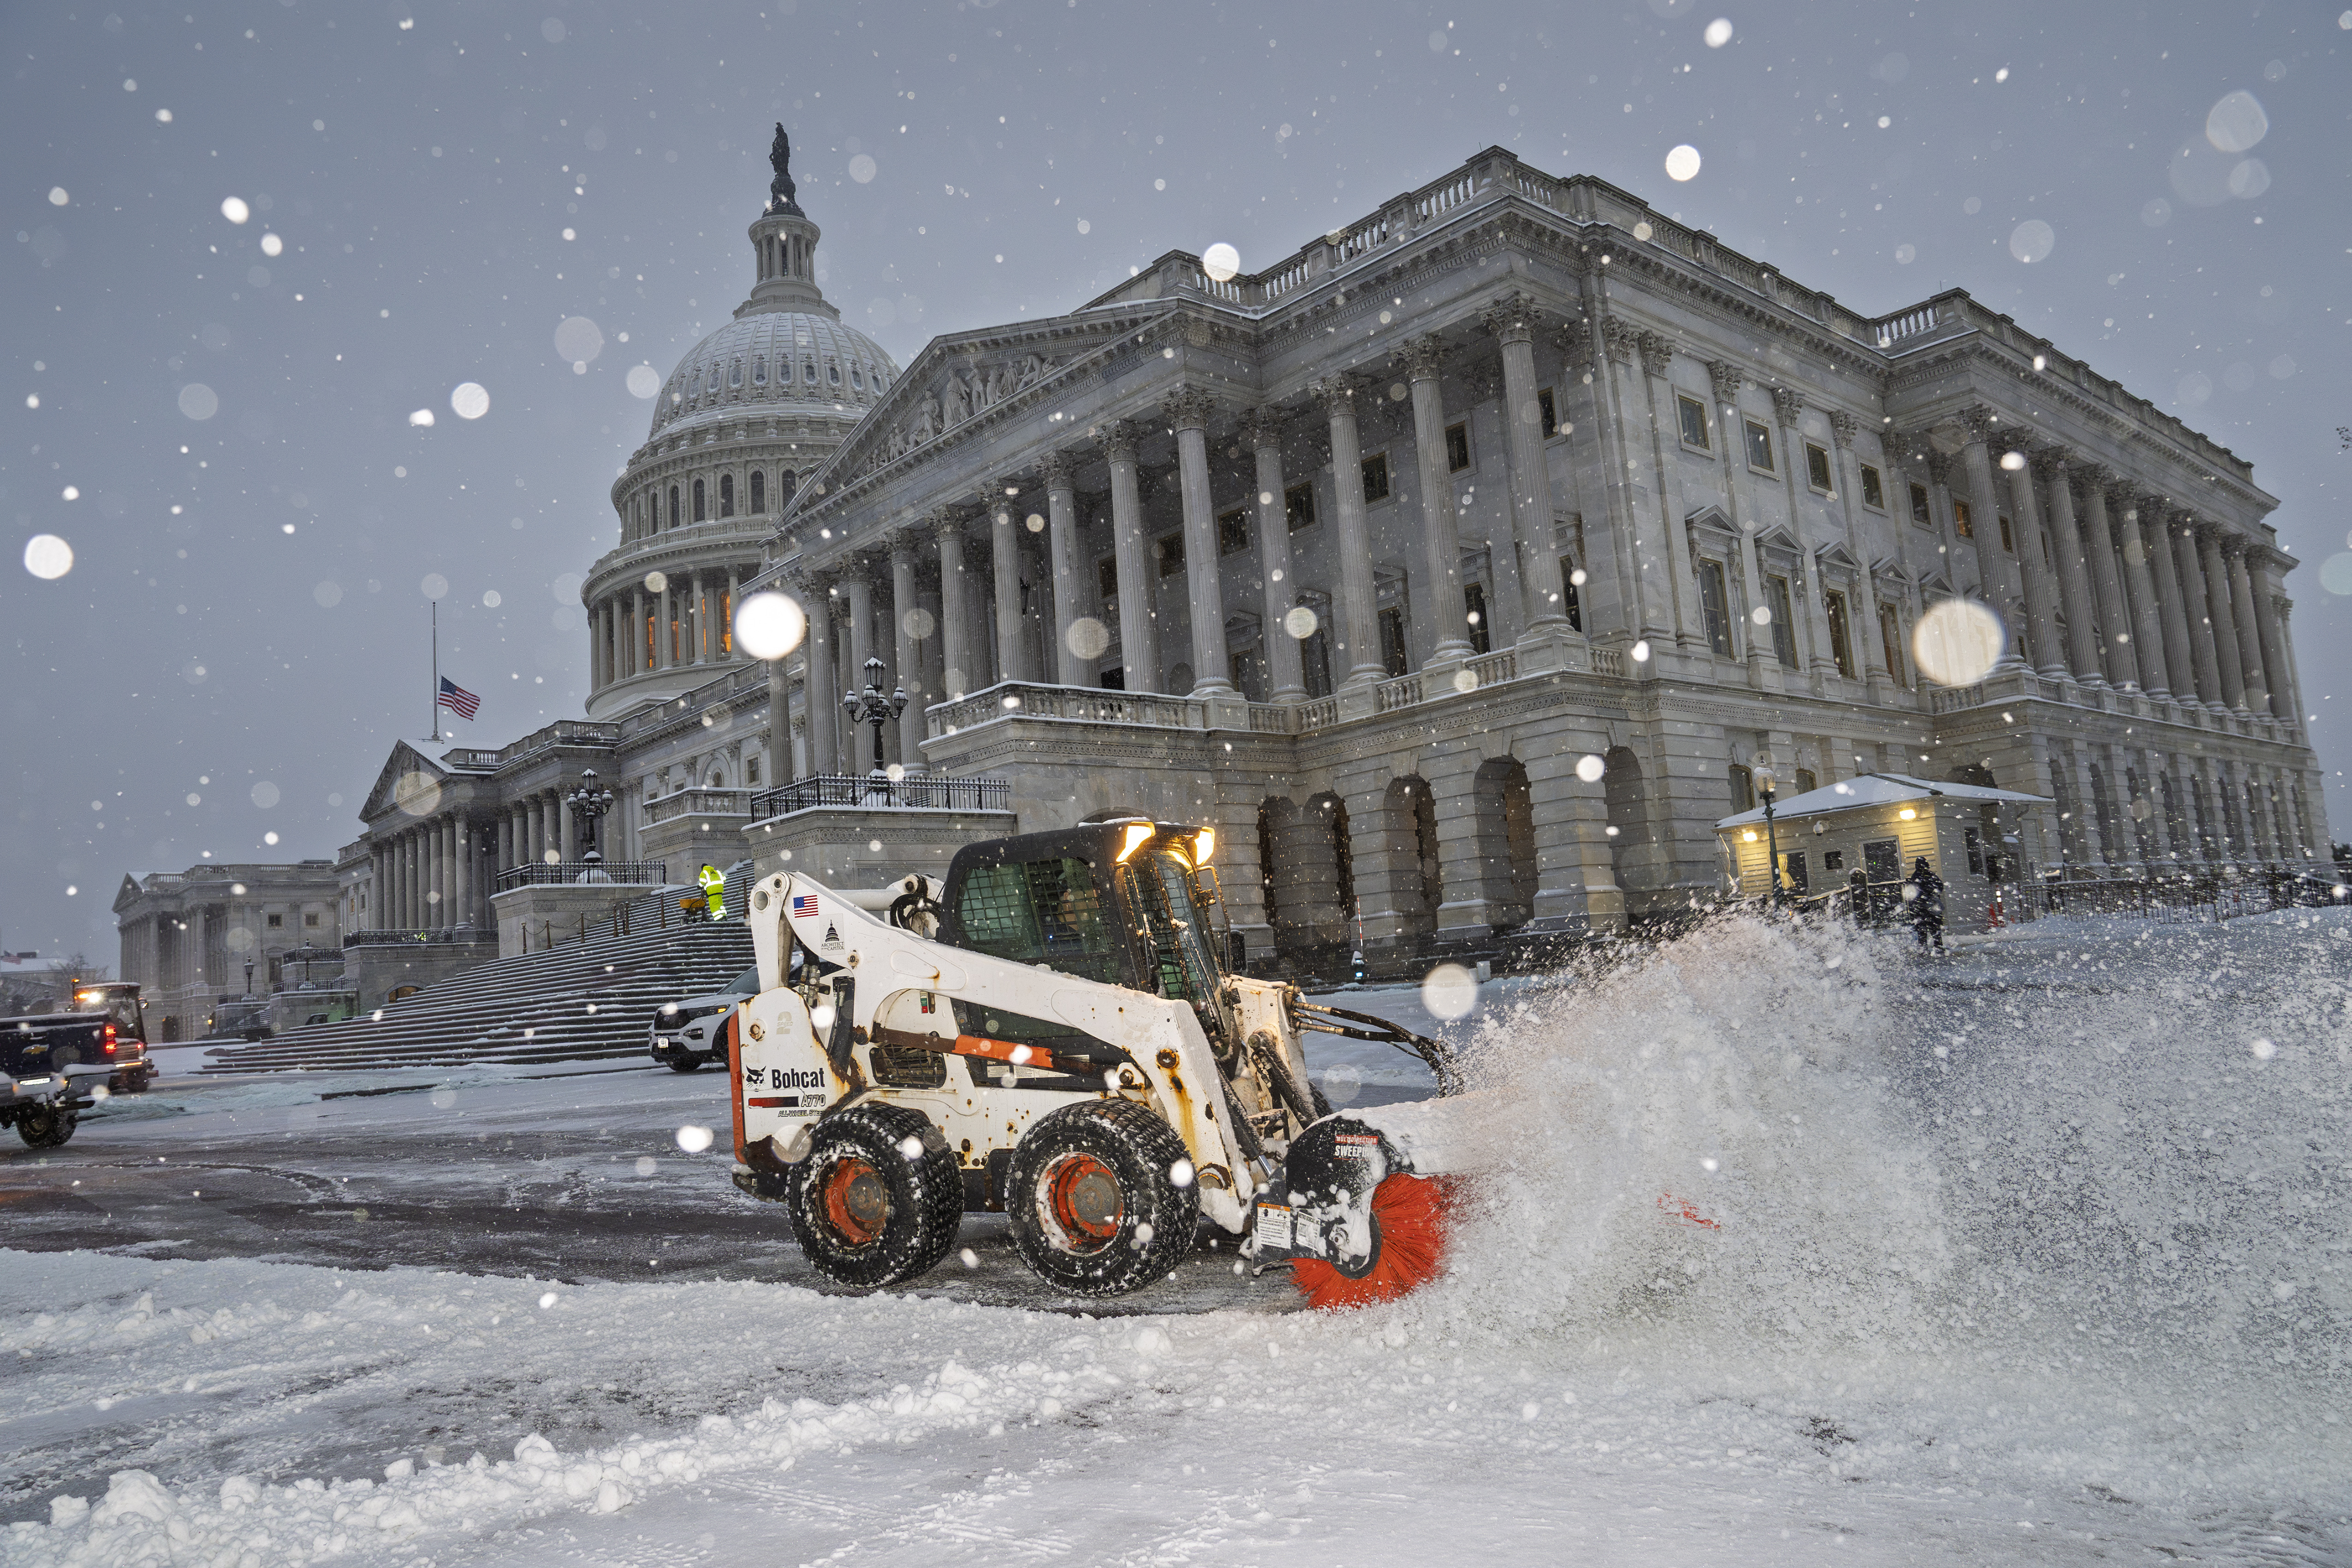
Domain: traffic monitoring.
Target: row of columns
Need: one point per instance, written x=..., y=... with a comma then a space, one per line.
x=678, y=624
x=961, y=656
x=2127, y=807
x=440, y=871
x=2133, y=591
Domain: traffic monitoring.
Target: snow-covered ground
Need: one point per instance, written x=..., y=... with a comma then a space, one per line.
x=2033, y=1254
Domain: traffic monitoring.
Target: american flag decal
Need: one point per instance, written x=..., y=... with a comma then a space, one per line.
x=804, y=906
x=456, y=698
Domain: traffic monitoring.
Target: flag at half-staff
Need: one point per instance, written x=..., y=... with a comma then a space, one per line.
x=458, y=699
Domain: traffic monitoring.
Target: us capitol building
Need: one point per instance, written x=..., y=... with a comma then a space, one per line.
x=1458, y=567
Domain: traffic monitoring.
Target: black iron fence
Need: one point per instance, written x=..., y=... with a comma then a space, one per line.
x=916, y=791
x=2187, y=896
x=430, y=935
x=652, y=872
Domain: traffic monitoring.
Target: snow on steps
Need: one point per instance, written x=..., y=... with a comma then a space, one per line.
x=579, y=1002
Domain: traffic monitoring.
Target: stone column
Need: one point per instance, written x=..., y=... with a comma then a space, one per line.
x=857, y=587
x=780, y=724
x=1441, y=541
x=2242, y=619
x=568, y=845
x=824, y=687
x=504, y=851
x=1062, y=544
x=1358, y=636
x=2073, y=569
x=462, y=836
x=2119, y=630
x=723, y=641
x=2279, y=680
x=1513, y=325
x=907, y=648
x=1188, y=412
x=2197, y=612
x=1139, y=626
x=662, y=643
x=596, y=649
x=2220, y=618
x=2042, y=642
x=1013, y=652
x=701, y=645
x=1996, y=567
x=1262, y=432
x=1789, y=413
x=2152, y=513
x=1726, y=379
x=958, y=668
x=1863, y=625
x=637, y=662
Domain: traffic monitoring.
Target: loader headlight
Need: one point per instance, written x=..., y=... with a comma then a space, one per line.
x=1139, y=834
x=1204, y=843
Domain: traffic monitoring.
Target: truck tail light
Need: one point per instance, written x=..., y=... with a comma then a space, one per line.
x=109, y=1038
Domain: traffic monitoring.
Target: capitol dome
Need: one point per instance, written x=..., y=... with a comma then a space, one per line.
x=768, y=362
x=750, y=413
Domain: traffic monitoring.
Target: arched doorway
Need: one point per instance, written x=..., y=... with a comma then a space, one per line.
x=1507, y=841
x=1411, y=832
x=1629, y=820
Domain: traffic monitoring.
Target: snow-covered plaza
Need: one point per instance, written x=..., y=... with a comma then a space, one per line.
x=2029, y=1255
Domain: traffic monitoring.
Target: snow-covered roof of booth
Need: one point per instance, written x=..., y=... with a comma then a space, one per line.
x=1876, y=789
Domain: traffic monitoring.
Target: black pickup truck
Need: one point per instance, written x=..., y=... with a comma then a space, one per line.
x=102, y=1034
x=37, y=1099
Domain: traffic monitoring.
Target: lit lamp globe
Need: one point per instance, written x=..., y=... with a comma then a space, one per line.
x=769, y=626
x=1767, y=781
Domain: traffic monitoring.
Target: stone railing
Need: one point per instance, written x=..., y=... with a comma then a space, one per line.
x=649, y=873
x=1082, y=704
x=698, y=800
x=916, y=792
x=2021, y=685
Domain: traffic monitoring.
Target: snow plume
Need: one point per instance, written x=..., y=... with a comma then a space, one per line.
x=1740, y=1074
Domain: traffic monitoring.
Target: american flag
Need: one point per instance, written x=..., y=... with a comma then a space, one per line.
x=804, y=906
x=458, y=699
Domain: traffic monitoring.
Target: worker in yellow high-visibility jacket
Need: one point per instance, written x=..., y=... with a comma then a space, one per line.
x=714, y=890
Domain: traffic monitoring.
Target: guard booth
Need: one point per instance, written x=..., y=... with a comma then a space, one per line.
x=1879, y=824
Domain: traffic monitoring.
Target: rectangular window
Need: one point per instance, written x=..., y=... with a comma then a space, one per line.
x=1170, y=549
x=1298, y=506
x=1760, y=447
x=1890, y=637
x=1046, y=911
x=1833, y=860
x=1817, y=468
x=1393, y=649
x=1882, y=860
x=1873, y=493
x=1793, y=871
x=1474, y=612
x=1234, y=532
x=727, y=495
x=2008, y=537
x=1694, y=418
x=1784, y=620
x=310, y=919
x=1962, y=525
x=1806, y=782
x=1743, y=788
x=759, y=493
x=1249, y=673
x=1840, y=644
x=1376, y=478
x=1919, y=512
x=1315, y=655
x=276, y=922
x=1571, y=600
x=1718, y=606
x=1975, y=842
x=1457, y=447
x=1106, y=579
x=1549, y=410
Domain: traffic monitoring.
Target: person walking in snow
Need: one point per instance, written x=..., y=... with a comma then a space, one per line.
x=1926, y=905
x=714, y=891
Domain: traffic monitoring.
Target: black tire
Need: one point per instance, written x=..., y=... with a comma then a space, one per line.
x=139, y=1082
x=864, y=1212
x=46, y=1126
x=1094, y=1208
x=689, y=1062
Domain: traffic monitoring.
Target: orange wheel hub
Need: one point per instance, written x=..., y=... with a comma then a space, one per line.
x=1082, y=1198
x=854, y=1201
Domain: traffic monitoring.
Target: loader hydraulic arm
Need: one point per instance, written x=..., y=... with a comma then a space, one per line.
x=1364, y=1027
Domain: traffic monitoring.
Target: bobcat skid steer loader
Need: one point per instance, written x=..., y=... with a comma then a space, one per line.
x=1058, y=1034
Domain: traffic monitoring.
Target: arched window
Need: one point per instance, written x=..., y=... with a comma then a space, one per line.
x=735, y=373
x=727, y=495
x=758, y=370
x=855, y=379
x=788, y=484
x=832, y=372
x=808, y=371
x=673, y=505
x=700, y=510
x=718, y=778
x=759, y=493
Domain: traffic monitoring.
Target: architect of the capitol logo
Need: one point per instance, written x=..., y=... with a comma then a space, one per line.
x=1459, y=568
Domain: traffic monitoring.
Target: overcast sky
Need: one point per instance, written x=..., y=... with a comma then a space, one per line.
x=430, y=190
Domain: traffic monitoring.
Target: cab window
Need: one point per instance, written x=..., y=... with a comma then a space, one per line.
x=1040, y=911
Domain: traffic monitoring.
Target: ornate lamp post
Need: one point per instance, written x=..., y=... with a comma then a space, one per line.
x=588, y=802
x=1767, y=781
x=870, y=707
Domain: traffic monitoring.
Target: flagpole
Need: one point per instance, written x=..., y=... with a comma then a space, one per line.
x=436, y=736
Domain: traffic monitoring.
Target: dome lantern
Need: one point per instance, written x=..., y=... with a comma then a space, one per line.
x=783, y=243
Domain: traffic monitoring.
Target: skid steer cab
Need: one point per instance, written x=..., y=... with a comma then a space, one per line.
x=1057, y=1034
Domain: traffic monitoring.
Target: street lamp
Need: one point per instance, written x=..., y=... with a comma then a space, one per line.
x=588, y=802
x=870, y=707
x=1767, y=781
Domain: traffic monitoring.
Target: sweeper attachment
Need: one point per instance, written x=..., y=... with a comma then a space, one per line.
x=1057, y=1033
